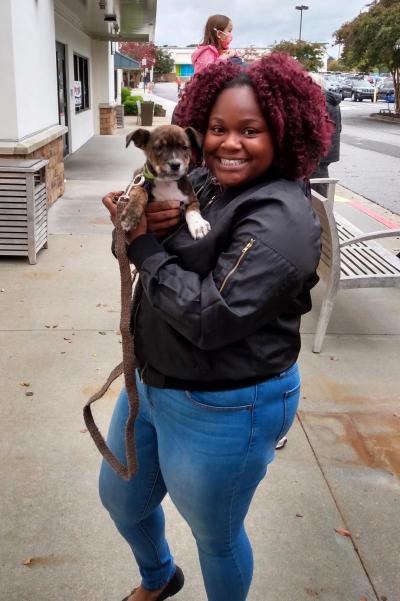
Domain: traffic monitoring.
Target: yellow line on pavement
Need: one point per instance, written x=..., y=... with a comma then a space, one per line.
x=341, y=198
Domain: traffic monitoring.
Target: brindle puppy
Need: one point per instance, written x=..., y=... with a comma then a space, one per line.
x=168, y=150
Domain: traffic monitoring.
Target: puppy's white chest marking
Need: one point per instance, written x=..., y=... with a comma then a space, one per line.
x=168, y=190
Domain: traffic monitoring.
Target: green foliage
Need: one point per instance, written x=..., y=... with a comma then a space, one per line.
x=130, y=105
x=372, y=41
x=164, y=62
x=336, y=65
x=130, y=108
x=309, y=54
x=125, y=94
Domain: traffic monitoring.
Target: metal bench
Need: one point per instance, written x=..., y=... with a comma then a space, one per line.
x=349, y=259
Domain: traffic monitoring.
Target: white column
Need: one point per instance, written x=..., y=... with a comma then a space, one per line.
x=102, y=78
x=28, y=99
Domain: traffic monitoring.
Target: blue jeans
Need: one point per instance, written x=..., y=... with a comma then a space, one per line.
x=209, y=451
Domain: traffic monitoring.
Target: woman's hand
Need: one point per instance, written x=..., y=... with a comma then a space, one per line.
x=163, y=217
x=110, y=202
x=230, y=53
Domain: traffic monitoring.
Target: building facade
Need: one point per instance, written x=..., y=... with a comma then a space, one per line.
x=59, y=84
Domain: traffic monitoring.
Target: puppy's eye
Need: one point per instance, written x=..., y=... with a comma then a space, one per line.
x=158, y=147
x=185, y=147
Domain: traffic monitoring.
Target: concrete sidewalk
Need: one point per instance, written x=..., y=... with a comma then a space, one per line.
x=58, y=340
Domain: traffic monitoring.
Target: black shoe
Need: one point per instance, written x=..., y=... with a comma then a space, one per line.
x=174, y=586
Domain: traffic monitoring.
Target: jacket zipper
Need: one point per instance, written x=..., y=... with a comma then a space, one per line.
x=244, y=252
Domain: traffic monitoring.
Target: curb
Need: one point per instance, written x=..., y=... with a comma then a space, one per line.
x=385, y=118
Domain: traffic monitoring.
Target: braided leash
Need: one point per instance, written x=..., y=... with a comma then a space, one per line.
x=128, y=365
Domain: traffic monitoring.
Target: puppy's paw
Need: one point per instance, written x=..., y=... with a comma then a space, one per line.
x=198, y=227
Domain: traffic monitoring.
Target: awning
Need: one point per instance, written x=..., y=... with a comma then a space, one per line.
x=121, y=61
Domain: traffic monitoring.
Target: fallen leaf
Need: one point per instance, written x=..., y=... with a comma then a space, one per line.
x=29, y=393
x=47, y=325
x=23, y=383
x=299, y=515
x=83, y=430
x=56, y=326
x=102, y=333
x=395, y=414
x=383, y=598
x=363, y=599
x=27, y=562
x=334, y=358
x=342, y=531
x=2, y=290
x=67, y=338
x=94, y=355
x=62, y=353
x=98, y=305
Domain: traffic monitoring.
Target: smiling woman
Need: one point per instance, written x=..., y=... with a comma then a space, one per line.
x=216, y=325
x=237, y=146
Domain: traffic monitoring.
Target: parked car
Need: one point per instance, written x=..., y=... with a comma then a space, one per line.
x=357, y=90
x=333, y=85
x=385, y=88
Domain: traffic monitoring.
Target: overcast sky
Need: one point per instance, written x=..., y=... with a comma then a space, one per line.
x=255, y=22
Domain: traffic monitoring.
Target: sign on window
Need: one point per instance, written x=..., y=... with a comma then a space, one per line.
x=78, y=93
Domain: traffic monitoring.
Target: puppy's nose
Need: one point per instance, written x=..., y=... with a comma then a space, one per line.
x=175, y=165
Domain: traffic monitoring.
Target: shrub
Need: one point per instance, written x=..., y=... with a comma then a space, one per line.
x=125, y=94
x=159, y=110
x=130, y=107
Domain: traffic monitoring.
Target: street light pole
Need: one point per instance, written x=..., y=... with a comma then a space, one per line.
x=301, y=7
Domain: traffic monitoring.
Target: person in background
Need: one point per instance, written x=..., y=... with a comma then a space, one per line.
x=179, y=85
x=333, y=101
x=216, y=324
x=215, y=44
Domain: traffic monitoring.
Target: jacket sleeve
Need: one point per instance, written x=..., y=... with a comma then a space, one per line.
x=207, y=57
x=251, y=284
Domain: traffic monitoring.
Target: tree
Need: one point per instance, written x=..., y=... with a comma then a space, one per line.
x=140, y=51
x=164, y=62
x=372, y=41
x=309, y=54
x=335, y=65
x=251, y=54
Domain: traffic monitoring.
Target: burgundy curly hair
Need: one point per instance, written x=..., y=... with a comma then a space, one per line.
x=292, y=103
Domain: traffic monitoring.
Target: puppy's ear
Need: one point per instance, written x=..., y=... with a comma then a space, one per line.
x=139, y=137
x=196, y=139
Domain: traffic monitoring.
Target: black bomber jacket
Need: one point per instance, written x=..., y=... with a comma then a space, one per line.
x=224, y=312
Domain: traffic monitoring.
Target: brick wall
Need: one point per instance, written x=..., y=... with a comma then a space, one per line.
x=53, y=152
x=108, y=120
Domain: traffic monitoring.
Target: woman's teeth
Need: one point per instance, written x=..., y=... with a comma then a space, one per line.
x=231, y=162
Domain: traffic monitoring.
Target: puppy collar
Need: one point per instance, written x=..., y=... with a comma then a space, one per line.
x=147, y=174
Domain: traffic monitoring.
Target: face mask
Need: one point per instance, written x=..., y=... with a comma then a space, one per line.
x=225, y=37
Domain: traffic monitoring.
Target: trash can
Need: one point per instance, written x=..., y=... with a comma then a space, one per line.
x=23, y=207
x=147, y=110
